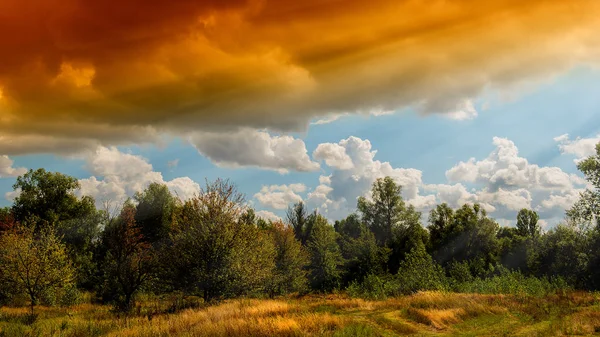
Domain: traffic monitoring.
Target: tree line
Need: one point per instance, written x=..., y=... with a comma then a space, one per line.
x=55, y=245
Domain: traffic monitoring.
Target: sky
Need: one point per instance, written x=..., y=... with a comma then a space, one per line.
x=491, y=102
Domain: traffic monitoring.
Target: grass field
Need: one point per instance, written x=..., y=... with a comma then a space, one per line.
x=423, y=314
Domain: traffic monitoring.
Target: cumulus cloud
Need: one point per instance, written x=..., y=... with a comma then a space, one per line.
x=454, y=195
x=502, y=183
x=579, y=147
x=7, y=168
x=507, y=182
x=251, y=148
x=464, y=110
x=280, y=196
x=268, y=215
x=117, y=175
x=334, y=155
x=102, y=74
x=12, y=195
x=504, y=167
x=353, y=170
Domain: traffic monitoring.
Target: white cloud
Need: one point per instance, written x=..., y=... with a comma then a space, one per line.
x=267, y=215
x=183, y=187
x=580, y=147
x=505, y=168
x=12, y=195
x=253, y=148
x=555, y=204
x=280, y=196
x=334, y=155
x=502, y=183
x=325, y=180
x=513, y=200
x=117, y=175
x=454, y=195
x=7, y=169
x=329, y=119
x=508, y=182
x=353, y=171
x=465, y=110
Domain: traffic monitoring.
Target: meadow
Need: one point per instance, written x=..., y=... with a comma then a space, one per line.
x=422, y=314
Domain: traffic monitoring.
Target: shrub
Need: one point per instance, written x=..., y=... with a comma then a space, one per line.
x=513, y=283
x=419, y=272
x=372, y=287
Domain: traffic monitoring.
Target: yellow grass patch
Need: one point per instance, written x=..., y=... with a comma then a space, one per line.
x=427, y=313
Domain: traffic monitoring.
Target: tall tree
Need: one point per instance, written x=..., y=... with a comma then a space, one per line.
x=291, y=260
x=213, y=254
x=128, y=264
x=407, y=235
x=301, y=221
x=527, y=223
x=384, y=210
x=154, y=211
x=47, y=198
x=325, y=256
x=441, y=220
x=586, y=211
x=362, y=256
x=468, y=235
x=585, y=216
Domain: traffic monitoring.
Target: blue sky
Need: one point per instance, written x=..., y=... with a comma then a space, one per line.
x=432, y=144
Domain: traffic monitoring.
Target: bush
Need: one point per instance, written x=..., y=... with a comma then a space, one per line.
x=70, y=296
x=418, y=272
x=514, y=283
x=372, y=288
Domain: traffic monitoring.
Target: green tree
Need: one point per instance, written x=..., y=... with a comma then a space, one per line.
x=419, y=272
x=585, y=216
x=212, y=253
x=34, y=264
x=514, y=249
x=527, y=223
x=48, y=198
x=441, y=221
x=82, y=237
x=301, y=221
x=384, y=210
x=291, y=260
x=154, y=212
x=350, y=227
x=467, y=235
x=128, y=264
x=564, y=251
x=407, y=235
x=361, y=254
x=586, y=211
x=325, y=256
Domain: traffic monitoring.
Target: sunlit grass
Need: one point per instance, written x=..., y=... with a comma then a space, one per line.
x=426, y=313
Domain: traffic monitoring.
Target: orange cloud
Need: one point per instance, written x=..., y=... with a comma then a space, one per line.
x=108, y=72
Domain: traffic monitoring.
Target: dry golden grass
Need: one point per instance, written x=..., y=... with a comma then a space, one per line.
x=426, y=313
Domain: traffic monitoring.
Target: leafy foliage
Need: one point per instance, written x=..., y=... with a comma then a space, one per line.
x=154, y=211
x=128, y=264
x=47, y=198
x=325, y=257
x=33, y=264
x=213, y=254
x=291, y=260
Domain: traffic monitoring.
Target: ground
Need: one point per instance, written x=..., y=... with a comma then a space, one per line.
x=423, y=314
